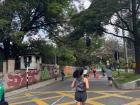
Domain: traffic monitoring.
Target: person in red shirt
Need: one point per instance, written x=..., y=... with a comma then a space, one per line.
x=94, y=71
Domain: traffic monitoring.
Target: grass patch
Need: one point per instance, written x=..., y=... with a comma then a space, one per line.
x=125, y=77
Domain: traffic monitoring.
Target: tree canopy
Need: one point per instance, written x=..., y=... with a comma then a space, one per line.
x=121, y=14
x=25, y=17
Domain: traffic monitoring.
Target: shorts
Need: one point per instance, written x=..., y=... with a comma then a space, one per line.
x=109, y=78
x=81, y=96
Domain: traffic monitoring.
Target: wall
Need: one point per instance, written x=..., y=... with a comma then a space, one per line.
x=47, y=72
x=18, y=78
x=68, y=70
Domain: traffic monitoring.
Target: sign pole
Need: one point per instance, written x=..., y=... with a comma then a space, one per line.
x=27, y=70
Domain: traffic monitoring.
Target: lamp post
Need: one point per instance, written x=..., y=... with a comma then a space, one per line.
x=55, y=56
x=27, y=71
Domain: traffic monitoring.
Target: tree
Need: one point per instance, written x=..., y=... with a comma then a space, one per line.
x=29, y=16
x=85, y=55
x=122, y=14
x=66, y=56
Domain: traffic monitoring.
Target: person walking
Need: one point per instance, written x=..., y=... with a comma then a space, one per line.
x=55, y=73
x=80, y=84
x=62, y=75
x=103, y=71
x=94, y=72
x=85, y=72
x=109, y=75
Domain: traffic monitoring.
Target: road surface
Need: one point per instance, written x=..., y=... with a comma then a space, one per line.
x=60, y=93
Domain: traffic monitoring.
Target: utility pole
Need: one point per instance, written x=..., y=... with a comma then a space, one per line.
x=125, y=50
x=124, y=43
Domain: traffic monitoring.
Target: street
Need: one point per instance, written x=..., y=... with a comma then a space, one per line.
x=60, y=93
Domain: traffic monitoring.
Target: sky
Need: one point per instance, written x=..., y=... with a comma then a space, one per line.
x=86, y=4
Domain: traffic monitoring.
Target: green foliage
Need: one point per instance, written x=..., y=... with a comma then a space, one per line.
x=33, y=15
x=41, y=46
x=125, y=77
x=66, y=56
x=17, y=37
x=95, y=17
x=86, y=55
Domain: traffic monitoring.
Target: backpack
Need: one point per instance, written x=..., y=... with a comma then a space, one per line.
x=80, y=85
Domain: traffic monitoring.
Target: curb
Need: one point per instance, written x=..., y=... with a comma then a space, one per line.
x=121, y=87
x=116, y=84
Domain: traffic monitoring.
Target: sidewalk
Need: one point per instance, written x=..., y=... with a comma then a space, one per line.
x=31, y=87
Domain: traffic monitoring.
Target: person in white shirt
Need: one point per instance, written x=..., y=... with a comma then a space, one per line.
x=109, y=75
x=85, y=73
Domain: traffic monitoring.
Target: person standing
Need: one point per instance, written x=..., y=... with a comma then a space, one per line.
x=80, y=84
x=109, y=75
x=62, y=75
x=103, y=71
x=55, y=73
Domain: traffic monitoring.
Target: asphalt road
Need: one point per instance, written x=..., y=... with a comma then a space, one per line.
x=60, y=93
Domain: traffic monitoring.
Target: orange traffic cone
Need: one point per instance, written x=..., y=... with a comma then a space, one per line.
x=97, y=76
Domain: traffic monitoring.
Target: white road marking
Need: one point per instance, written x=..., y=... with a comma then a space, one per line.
x=54, y=103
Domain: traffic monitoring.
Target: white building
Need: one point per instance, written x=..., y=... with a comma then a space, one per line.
x=34, y=59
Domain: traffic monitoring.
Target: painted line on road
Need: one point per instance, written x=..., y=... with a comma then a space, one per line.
x=39, y=102
x=65, y=94
x=28, y=94
x=94, y=103
x=134, y=103
x=22, y=102
x=68, y=103
x=100, y=91
x=54, y=103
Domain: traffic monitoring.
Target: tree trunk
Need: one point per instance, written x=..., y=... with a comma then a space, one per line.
x=137, y=56
x=136, y=36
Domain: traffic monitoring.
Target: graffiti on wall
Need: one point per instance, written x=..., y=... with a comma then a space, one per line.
x=44, y=74
x=19, y=79
x=48, y=71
